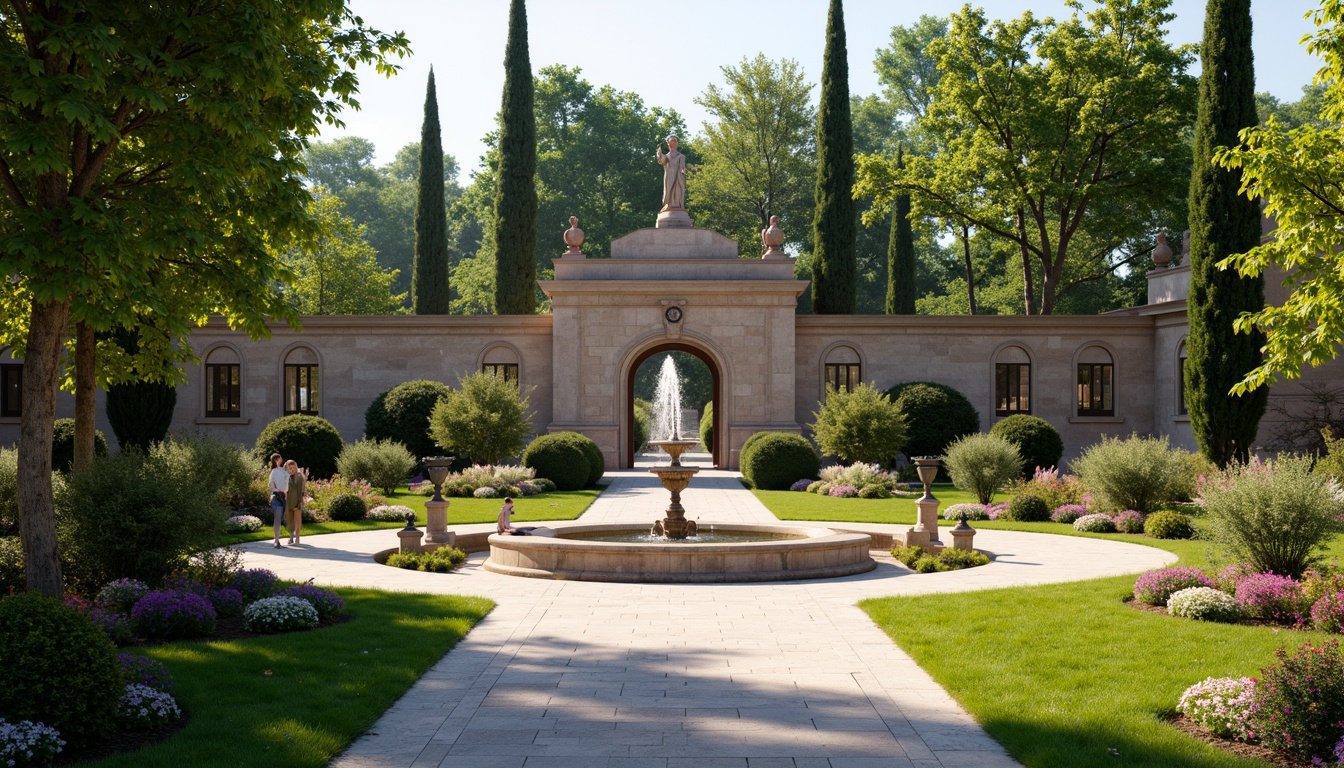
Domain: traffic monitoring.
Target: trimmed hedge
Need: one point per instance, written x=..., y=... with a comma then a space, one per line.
x=63, y=445
x=562, y=458
x=402, y=413
x=935, y=416
x=773, y=461
x=1036, y=439
x=311, y=441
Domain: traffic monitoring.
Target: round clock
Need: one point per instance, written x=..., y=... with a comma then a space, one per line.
x=673, y=314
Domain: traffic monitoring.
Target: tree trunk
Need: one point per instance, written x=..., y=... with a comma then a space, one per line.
x=1028, y=300
x=970, y=273
x=37, y=514
x=85, y=389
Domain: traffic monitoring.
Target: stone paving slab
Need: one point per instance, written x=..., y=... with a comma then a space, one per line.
x=788, y=674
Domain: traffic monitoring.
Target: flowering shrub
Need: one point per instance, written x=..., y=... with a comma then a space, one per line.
x=254, y=583
x=422, y=488
x=26, y=742
x=995, y=511
x=326, y=602
x=857, y=474
x=875, y=491
x=1229, y=577
x=1203, y=604
x=1067, y=513
x=528, y=488
x=143, y=707
x=973, y=511
x=281, y=613
x=1095, y=523
x=802, y=485
x=181, y=581
x=322, y=492
x=1154, y=587
x=121, y=594
x=389, y=513
x=227, y=601
x=1129, y=521
x=1270, y=597
x=1221, y=704
x=173, y=613
x=843, y=492
x=821, y=488
x=242, y=524
x=1299, y=702
x=1317, y=584
x=485, y=492
x=544, y=483
x=1047, y=484
x=1327, y=613
x=117, y=626
x=142, y=670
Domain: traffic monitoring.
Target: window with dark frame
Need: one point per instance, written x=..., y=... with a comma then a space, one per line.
x=1012, y=388
x=223, y=389
x=509, y=371
x=11, y=390
x=842, y=377
x=1181, y=361
x=301, y=394
x=1095, y=396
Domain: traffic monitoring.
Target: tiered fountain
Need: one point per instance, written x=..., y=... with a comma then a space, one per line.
x=674, y=477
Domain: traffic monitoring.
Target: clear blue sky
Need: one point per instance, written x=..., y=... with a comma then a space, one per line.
x=669, y=52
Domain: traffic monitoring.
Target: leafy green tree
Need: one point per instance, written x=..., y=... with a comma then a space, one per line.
x=862, y=425
x=1299, y=175
x=901, y=256
x=1223, y=223
x=833, y=219
x=338, y=273
x=757, y=158
x=341, y=164
x=153, y=154
x=485, y=418
x=908, y=73
x=429, y=281
x=515, y=223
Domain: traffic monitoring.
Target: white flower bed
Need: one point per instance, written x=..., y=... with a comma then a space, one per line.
x=389, y=513
x=1203, y=604
x=25, y=741
x=280, y=614
x=1095, y=523
x=1221, y=704
x=143, y=707
x=242, y=524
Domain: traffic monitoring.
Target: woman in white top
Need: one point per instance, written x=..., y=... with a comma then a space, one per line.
x=278, y=483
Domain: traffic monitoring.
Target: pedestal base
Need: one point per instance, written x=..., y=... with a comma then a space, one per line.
x=963, y=539
x=914, y=538
x=674, y=218
x=410, y=540
x=928, y=518
x=436, y=521
x=674, y=527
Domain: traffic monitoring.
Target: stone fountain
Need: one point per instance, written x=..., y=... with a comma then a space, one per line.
x=674, y=477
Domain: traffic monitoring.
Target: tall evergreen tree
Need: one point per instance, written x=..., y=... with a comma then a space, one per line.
x=833, y=225
x=901, y=254
x=429, y=273
x=1222, y=223
x=516, y=193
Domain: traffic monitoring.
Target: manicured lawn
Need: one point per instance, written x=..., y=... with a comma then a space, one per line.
x=325, y=687
x=794, y=505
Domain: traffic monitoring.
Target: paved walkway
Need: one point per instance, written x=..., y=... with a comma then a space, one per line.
x=593, y=675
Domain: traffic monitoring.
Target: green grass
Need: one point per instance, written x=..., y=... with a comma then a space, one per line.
x=556, y=505
x=326, y=687
x=794, y=505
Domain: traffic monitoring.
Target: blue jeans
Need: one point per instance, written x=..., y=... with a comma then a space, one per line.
x=278, y=508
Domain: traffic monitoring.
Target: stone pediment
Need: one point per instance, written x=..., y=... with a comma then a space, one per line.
x=690, y=243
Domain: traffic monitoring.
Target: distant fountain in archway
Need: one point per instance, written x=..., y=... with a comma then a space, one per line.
x=667, y=403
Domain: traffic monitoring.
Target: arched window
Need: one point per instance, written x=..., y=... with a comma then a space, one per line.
x=301, y=382
x=1012, y=381
x=501, y=361
x=843, y=368
x=1096, y=376
x=223, y=383
x=1181, y=357
x=11, y=385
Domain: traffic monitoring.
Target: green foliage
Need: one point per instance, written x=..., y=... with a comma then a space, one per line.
x=982, y=463
x=916, y=559
x=441, y=560
x=707, y=427
x=60, y=669
x=1169, y=525
x=515, y=225
x=1278, y=515
x=12, y=578
x=486, y=418
x=429, y=280
x=140, y=412
x=309, y=440
x=1137, y=473
x=861, y=425
x=1299, y=701
x=560, y=457
x=1223, y=223
x=643, y=418
x=1036, y=439
x=1331, y=464
x=63, y=445
x=935, y=415
x=402, y=414
x=597, y=464
x=833, y=219
x=385, y=464
x=1026, y=508
x=901, y=255
x=226, y=469
x=772, y=461
x=874, y=491
x=338, y=273
x=346, y=507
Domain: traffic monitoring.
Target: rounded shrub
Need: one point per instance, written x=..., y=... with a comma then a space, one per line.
x=561, y=458
x=254, y=583
x=1026, y=508
x=326, y=602
x=485, y=492
x=1134, y=473
x=1221, y=704
x=309, y=440
x=1130, y=521
x=1299, y=701
x=121, y=595
x=173, y=613
x=1270, y=597
x=982, y=464
x=1067, y=513
x=1096, y=523
x=1154, y=587
x=59, y=669
x=143, y=707
x=973, y=511
x=1327, y=613
x=597, y=464
x=776, y=459
x=63, y=445
x=706, y=426
x=860, y=425
x=384, y=464
x=1204, y=604
x=142, y=670
x=226, y=601
x=643, y=423
x=935, y=416
x=282, y=613
x=402, y=414
x=1037, y=441
x=346, y=507
x=875, y=491
x=1169, y=525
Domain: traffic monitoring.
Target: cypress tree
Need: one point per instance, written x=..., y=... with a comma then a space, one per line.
x=429, y=271
x=516, y=191
x=901, y=255
x=1222, y=222
x=834, y=285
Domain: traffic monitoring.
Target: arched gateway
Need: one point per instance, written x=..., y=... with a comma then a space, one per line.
x=628, y=419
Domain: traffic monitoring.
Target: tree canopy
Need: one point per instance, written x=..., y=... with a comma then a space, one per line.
x=338, y=272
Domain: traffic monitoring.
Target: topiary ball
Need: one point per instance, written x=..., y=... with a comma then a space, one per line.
x=402, y=414
x=1037, y=441
x=935, y=416
x=309, y=440
x=59, y=669
x=1027, y=508
x=63, y=445
x=347, y=507
x=774, y=460
x=1169, y=525
x=597, y=464
x=560, y=457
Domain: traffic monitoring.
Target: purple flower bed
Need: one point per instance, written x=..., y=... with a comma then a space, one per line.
x=254, y=583
x=181, y=582
x=1154, y=587
x=1271, y=597
x=115, y=625
x=801, y=485
x=1067, y=513
x=1327, y=614
x=1229, y=577
x=995, y=511
x=142, y=670
x=326, y=602
x=166, y=613
x=1129, y=521
x=227, y=601
x=843, y=491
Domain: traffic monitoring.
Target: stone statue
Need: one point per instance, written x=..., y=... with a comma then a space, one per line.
x=772, y=237
x=573, y=237
x=674, y=176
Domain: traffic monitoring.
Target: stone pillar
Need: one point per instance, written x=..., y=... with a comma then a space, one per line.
x=410, y=539
x=963, y=535
x=436, y=521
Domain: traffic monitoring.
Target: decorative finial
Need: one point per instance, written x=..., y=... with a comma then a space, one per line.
x=574, y=237
x=773, y=237
x=1162, y=251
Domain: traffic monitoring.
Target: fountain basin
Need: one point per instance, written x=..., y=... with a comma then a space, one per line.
x=792, y=553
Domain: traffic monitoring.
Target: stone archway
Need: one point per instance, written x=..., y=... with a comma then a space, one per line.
x=720, y=431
